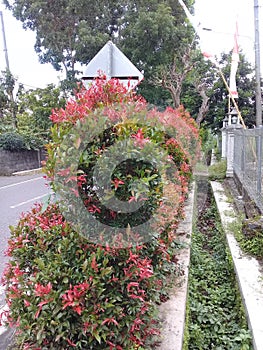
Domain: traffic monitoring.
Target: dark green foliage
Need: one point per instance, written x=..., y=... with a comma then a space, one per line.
x=154, y=37
x=250, y=242
x=66, y=31
x=33, y=117
x=150, y=33
x=11, y=141
x=217, y=171
x=26, y=115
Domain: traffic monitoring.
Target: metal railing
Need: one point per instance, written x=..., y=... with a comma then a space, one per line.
x=248, y=162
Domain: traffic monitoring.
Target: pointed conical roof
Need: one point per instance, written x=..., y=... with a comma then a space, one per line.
x=112, y=62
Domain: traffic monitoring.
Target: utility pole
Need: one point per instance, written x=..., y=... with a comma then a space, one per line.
x=4, y=41
x=257, y=67
x=11, y=96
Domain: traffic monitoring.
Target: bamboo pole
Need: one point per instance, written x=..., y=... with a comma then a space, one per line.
x=231, y=97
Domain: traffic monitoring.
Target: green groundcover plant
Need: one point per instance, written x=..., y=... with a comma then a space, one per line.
x=216, y=316
x=66, y=290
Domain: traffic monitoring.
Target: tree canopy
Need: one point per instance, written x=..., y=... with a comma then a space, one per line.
x=8, y=106
x=155, y=36
x=67, y=31
x=70, y=31
x=25, y=113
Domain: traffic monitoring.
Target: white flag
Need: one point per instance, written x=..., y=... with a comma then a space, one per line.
x=234, y=65
x=192, y=19
x=197, y=25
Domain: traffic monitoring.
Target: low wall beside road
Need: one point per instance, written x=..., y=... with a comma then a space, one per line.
x=11, y=162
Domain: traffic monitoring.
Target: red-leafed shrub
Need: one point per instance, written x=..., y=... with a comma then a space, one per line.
x=92, y=280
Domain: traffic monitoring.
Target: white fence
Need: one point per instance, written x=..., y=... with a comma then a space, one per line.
x=247, y=161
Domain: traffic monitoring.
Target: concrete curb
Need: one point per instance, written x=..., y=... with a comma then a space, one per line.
x=172, y=312
x=28, y=172
x=248, y=272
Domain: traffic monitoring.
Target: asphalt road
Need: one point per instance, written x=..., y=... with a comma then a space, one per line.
x=17, y=194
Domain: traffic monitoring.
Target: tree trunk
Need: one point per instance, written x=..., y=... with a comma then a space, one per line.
x=172, y=77
x=175, y=91
x=204, y=106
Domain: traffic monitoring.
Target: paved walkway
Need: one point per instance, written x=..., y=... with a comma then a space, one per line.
x=173, y=311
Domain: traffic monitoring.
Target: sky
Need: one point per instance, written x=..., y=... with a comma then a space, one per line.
x=23, y=60
x=218, y=15
x=221, y=17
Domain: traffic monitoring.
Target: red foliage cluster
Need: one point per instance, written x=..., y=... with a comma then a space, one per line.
x=102, y=93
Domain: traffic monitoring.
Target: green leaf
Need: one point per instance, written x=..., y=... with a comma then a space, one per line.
x=84, y=265
x=97, y=337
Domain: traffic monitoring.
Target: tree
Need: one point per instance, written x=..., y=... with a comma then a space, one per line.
x=27, y=114
x=8, y=106
x=70, y=31
x=198, y=87
x=67, y=31
x=172, y=78
x=156, y=38
x=34, y=110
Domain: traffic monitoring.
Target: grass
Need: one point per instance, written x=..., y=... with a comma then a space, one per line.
x=217, y=171
x=252, y=245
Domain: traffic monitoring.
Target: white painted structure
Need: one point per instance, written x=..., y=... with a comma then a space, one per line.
x=114, y=64
x=230, y=124
x=230, y=146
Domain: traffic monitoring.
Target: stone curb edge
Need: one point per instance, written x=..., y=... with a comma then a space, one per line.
x=172, y=313
x=28, y=172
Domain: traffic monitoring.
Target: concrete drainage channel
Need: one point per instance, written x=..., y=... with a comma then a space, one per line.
x=248, y=276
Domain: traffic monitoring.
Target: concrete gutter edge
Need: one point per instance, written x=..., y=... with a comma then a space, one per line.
x=249, y=276
x=28, y=172
x=173, y=312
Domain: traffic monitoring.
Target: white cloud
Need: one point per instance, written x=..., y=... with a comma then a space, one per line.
x=23, y=60
x=220, y=16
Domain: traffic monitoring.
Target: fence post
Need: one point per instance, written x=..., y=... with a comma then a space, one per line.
x=230, y=152
x=224, y=143
x=224, y=138
x=230, y=148
x=243, y=155
x=259, y=165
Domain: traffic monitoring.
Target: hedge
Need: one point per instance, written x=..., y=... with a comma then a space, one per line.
x=93, y=280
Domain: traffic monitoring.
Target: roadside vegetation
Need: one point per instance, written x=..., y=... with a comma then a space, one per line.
x=25, y=122
x=217, y=171
x=247, y=226
x=85, y=289
x=252, y=241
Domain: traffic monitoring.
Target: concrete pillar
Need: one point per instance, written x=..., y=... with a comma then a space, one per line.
x=224, y=143
x=230, y=142
x=230, y=151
